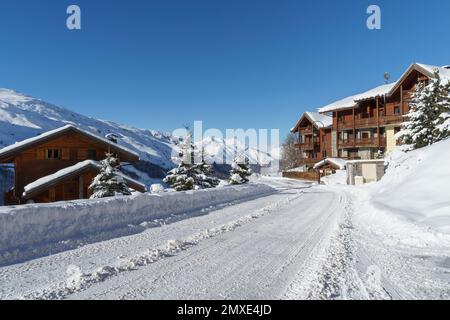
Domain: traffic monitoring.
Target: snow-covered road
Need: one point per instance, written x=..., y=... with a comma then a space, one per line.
x=301, y=242
x=254, y=249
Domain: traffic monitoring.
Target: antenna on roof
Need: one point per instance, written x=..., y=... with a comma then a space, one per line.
x=112, y=137
x=387, y=76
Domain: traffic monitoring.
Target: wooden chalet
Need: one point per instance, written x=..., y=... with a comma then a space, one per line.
x=314, y=138
x=59, y=165
x=364, y=126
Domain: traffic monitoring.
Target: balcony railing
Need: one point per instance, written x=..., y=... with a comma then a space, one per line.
x=308, y=145
x=366, y=123
x=363, y=142
x=306, y=131
x=394, y=119
x=309, y=160
x=371, y=122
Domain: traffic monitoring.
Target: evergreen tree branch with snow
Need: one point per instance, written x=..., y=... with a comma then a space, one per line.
x=109, y=183
x=428, y=120
x=240, y=171
x=190, y=174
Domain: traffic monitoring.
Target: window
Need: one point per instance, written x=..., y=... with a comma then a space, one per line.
x=382, y=113
x=92, y=154
x=302, y=139
x=397, y=110
x=53, y=154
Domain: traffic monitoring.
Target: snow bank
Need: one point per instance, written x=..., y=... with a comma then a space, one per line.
x=416, y=186
x=34, y=225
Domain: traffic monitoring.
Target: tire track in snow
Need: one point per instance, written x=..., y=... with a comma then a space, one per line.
x=78, y=281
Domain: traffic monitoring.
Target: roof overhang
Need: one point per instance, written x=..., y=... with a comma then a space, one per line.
x=413, y=67
x=78, y=169
x=314, y=123
x=8, y=154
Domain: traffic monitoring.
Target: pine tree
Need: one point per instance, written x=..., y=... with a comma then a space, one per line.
x=203, y=177
x=182, y=178
x=190, y=175
x=109, y=183
x=240, y=171
x=443, y=121
x=426, y=121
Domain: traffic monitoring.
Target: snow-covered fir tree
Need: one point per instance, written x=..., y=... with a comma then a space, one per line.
x=191, y=173
x=181, y=178
x=240, y=171
x=108, y=183
x=443, y=121
x=427, y=121
x=203, y=177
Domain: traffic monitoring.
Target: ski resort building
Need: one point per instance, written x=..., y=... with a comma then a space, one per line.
x=363, y=126
x=59, y=165
x=314, y=138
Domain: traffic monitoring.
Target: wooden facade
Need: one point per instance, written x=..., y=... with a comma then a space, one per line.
x=313, y=139
x=363, y=131
x=365, y=126
x=49, y=153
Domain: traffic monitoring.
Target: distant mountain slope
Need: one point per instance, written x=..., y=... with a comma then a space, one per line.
x=23, y=117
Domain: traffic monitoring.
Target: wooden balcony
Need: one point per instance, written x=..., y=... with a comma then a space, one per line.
x=306, y=131
x=345, y=125
x=366, y=123
x=309, y=160
x=308, y=145
x=366, y=142
x=371, y=122
x=393, y=119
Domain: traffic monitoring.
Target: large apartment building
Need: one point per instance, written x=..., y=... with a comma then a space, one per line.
x=363, y=126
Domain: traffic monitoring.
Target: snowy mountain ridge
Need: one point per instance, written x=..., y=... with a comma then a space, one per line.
x=23, y=117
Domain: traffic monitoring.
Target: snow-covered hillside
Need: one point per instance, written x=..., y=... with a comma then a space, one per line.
x=219, y=149
x=23, y=117
x=415, y=186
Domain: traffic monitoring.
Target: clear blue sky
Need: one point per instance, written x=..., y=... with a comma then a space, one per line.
x=231, y=63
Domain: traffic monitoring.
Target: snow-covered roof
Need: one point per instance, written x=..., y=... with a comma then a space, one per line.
x=7, y=151
x=387, y=89
x=352, y=101
x=426, y=69
x=336, y=162
x=60, y=175
x=318, y=120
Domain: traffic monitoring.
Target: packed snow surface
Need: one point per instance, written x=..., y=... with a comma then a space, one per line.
x=302, y=242
x=34, y=225
x=416, y=186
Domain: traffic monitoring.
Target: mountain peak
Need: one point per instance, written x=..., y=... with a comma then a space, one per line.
x=13, y=97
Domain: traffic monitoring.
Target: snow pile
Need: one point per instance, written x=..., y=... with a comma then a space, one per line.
x=338, y=178
x=416, y=186
x=156, y=188
x=336, y=162
x=34, y=225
